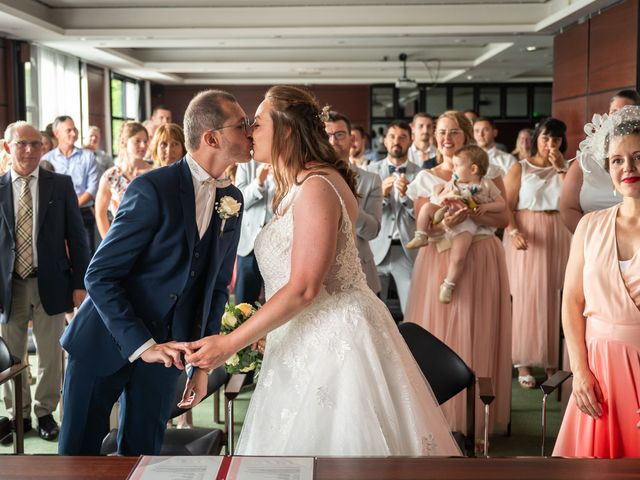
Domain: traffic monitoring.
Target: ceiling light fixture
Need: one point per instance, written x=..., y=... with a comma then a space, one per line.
x=531, y=48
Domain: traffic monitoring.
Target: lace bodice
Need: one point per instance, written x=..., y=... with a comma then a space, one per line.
x=273, y=251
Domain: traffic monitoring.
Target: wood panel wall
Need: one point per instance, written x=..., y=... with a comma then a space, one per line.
x=593, y=61
x=96, y=84
x=8, y=113
x=351, y=100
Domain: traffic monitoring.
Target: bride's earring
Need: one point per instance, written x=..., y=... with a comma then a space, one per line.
x=615, y=192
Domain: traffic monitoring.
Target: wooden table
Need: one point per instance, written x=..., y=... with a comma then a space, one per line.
x=525, y=468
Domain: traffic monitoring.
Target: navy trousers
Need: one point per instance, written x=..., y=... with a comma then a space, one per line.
x=248, y=280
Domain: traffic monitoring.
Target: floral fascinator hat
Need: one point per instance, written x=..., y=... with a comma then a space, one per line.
x=593, y=149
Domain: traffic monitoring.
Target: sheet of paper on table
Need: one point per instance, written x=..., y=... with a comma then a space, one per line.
x=223, y=468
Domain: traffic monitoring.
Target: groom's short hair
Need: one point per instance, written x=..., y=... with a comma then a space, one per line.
x=205, y=112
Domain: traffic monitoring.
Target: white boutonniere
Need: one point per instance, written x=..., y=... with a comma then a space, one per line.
x=227, y=207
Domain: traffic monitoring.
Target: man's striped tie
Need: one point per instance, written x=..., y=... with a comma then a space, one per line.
x=24, y=230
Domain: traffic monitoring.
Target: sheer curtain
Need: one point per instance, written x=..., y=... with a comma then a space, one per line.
x=57, y=86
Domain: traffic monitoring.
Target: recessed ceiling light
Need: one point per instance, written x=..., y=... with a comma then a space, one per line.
x=469, y=77
x=531, y=48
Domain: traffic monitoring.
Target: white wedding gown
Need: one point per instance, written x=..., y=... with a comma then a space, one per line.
x=337, y=379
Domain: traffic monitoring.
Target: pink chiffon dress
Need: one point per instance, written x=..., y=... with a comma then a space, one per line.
x=612, y=335
x=477, y=322
x=536, y=275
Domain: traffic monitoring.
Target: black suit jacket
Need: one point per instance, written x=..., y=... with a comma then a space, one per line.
x=63, y=253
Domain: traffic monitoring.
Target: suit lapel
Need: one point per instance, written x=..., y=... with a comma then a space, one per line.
x=45, y=190
x=188, y=200
x=6, y=201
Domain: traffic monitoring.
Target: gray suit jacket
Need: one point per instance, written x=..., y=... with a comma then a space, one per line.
x=394, y=212
x=256, y=204
x=369, y=187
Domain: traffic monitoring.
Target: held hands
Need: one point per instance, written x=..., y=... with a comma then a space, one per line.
x=587, y=393
x=168, y=353
x=209, y=352
x=518, y=239
x=194, y=390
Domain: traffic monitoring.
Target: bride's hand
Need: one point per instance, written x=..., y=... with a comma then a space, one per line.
x=259, y=345
x=209, y=352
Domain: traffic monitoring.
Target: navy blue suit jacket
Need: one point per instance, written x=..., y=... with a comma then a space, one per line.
x=142, y=266
x=62, y=248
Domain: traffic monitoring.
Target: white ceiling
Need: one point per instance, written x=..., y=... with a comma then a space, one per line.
x=308, y=41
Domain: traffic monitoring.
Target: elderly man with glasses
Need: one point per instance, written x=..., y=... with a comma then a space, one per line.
x=42, y=266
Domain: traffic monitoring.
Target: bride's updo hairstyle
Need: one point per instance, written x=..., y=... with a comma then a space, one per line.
x=300, y=141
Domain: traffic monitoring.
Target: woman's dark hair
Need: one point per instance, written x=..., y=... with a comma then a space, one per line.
x=629, y=95
x=552, y=127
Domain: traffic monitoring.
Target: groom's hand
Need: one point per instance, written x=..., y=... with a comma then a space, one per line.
x=208, y=352
x=194, y=390
x=168, y=353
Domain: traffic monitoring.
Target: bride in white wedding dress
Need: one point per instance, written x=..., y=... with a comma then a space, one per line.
x=337, y=378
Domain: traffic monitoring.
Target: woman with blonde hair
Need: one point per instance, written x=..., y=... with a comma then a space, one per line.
x=477, y=322
x=115, y=180
x=167, y=145
x=327, y=331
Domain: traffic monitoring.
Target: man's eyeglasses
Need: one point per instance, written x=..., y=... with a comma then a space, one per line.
x=339, y=135
x=22, y=145
x=245, y=124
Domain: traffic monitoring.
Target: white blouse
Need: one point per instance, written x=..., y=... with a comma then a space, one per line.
x=540, y=188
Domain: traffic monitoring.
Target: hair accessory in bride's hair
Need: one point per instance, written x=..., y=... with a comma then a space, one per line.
x=594, y=147
x=324, y=113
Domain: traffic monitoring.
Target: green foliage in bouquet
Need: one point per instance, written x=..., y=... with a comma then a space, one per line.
x=246, y=360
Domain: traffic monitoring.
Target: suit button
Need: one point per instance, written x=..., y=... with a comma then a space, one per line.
x=173, y=296
x=192, y=274
x=388, y=236
x=197, y=255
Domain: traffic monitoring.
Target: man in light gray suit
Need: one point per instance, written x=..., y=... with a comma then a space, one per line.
x=398, y=217
x=255, y=180
x=369, y=187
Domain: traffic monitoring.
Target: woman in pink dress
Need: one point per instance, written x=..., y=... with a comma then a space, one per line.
x=601, y=315
x=537, y=248
x=477, y=322
x=115, y=180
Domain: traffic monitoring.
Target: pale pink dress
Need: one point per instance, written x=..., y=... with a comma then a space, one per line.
x=536, y=275
x=477, y=323
x=613, y=346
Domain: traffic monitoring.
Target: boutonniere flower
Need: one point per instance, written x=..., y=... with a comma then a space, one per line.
x=228, y=207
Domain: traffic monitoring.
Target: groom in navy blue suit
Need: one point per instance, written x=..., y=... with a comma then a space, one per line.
x=159, y=278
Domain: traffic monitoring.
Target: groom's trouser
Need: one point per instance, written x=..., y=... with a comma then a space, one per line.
x=248, y=279
x=148, y=394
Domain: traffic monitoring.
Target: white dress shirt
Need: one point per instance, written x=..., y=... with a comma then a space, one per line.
x=17, y=190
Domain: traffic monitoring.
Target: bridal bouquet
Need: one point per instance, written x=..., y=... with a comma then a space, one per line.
x=246, y=360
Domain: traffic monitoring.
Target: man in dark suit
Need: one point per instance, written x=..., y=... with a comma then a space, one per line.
x=159, y=277
x=42, y=266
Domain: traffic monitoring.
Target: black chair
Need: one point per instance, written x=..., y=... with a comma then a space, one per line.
x=188, y=441
x=548, y=387
x=12, y=368
x=448, y=375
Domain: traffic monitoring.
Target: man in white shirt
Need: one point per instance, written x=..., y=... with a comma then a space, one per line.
x=485, y=133
x=422, y=152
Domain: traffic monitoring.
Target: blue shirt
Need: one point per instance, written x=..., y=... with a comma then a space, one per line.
x=80, y=166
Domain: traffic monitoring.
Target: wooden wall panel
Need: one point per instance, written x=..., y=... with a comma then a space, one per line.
x=573, y=112
x=351, y=100
x=613, y=48
x=570, y=62
x=96, y=85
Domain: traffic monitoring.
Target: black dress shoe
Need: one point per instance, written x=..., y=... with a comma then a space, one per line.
x=26, y=425
x=48, y=428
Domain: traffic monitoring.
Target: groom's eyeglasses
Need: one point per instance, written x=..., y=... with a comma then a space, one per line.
x=245, y=124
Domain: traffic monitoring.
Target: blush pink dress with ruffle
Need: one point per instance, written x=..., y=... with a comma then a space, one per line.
x=613, y=346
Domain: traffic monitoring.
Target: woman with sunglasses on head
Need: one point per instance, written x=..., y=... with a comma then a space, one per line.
x=477, y=322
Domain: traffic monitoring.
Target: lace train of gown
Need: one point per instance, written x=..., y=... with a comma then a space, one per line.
x=337, y=379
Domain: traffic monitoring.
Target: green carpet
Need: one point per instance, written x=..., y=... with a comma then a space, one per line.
x=525, y=438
